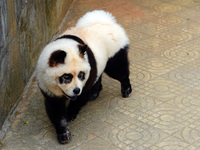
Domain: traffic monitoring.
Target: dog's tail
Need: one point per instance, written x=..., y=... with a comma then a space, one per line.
x=96, y=16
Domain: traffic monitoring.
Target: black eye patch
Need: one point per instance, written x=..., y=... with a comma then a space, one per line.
x=65, y=78
x=81, y=75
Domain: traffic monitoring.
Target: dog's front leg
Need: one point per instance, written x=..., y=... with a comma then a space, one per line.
x=56, y=110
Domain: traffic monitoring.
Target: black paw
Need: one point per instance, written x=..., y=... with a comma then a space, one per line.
x=95, y=92
x=94, y=96
x=71, y=117
x=65, y=137
x=127, y=92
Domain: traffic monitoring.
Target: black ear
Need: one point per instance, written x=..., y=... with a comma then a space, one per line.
x=57, y=57
x=82, y=49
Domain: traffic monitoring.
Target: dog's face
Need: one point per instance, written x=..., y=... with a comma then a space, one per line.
x=70, y=69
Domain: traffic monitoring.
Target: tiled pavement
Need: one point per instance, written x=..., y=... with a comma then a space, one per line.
x=163, y=111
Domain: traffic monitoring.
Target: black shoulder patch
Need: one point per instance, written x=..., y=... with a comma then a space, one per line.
x=82, y=46
x=93, y=72
x=57, y=57
x=73, y=37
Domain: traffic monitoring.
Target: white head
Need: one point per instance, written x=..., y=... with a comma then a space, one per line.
x=63, y=68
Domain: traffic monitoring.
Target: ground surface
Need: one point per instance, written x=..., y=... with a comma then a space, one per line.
x=163, y=111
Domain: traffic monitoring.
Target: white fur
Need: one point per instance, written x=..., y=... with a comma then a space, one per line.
x=96, y=16
x=47, y=76
x=102, y=34
x=99, y=30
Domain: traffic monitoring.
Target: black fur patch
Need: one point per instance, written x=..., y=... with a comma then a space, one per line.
x=82, y=47
x=118, y=66
x=85, y=49
x=73, y=37
x=93, y=71
x=57, y=57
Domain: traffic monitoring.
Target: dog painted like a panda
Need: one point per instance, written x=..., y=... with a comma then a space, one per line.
x=70, y=67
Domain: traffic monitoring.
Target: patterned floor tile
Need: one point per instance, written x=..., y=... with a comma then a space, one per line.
x=172, y=143
x=160, y=88
x=176, y=36
x=151, y=28
x=140, y=76
x=147, y=3
x=157, y=66
x=135, y=135
x=167, y=8
x=190, y=14
x=153, y=45
x=185, y=76
x=192, y=28
x=165, y=117
x=182, y=54
x=97, y=144
x=185, y=3
x=171, y=21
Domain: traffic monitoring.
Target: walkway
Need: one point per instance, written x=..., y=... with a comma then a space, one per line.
x=163, y=111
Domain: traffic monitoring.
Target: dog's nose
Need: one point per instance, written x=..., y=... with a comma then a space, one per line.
x=76, y=91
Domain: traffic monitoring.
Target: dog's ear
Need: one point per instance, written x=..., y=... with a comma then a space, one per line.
x=57, y=57
x=82, y=49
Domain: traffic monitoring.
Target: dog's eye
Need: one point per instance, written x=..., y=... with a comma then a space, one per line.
x=65, y=78
x=81, y=75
